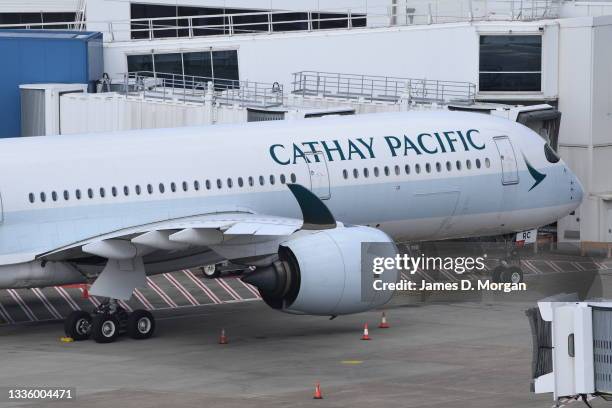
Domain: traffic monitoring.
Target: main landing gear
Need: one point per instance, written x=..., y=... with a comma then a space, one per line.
x=107, y=322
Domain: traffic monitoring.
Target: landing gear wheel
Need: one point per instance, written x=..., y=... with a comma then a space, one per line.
x=104, y=328
x=512, y=275
x=496, y=275
x=78, y=325
x=211, y=271
x=140, y=324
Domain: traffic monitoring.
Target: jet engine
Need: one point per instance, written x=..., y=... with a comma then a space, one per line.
x=327, y=272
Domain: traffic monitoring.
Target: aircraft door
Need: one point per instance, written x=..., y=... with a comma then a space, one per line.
x=319, y=175
x=508, y=160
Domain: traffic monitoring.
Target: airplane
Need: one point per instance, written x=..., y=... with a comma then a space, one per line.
x=292, y=200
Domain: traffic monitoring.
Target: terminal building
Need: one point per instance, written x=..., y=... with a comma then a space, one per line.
x=544, y=63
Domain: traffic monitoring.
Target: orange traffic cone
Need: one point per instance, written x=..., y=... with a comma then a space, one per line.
x=84, y=292
x=317, y=394
x=223, y=338
x=366, y=333
x=383, y=322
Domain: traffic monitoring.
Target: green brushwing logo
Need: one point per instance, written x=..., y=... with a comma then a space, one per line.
x=537, y=176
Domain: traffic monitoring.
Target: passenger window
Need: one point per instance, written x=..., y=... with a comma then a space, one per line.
x=185, y=186
x=54, y=196
x=89, y=193
x=126, y=191
x=219, y=183
x=102, y=192
x=149, y=188
x=417, y=168
x=77, y=193
x=282, y=179
x=251, y=181
x=229, y=183
x=272, y=179
x=366, y=172
x=138, y=191
x=356, y=173
x=449, y=166
x=66, y=195
x=468, y=164
x=240, y=182
x=397, y=170
x=477, y=163
x=114, y=191
x=458, y=165
x=345, y=174
x=293, y=178
x=196, y=185
x=387, y=172
x=208, y=186
x=438, y=167
x=428, y=167
x=487, y=163
x=261, y=180
x=162, y=189
x=173, y=187
x=31, y=197
x=376, y=172
x=407, y=169
x=43, y=197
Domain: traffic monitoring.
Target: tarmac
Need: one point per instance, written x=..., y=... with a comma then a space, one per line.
x=441, y=351
x=468, y=354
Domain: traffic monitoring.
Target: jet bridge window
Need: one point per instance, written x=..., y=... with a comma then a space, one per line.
x=510, y=63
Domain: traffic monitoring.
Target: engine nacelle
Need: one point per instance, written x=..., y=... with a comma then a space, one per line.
x=321, y=273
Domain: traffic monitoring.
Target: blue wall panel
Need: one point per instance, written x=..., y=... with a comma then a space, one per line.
x=43, y=56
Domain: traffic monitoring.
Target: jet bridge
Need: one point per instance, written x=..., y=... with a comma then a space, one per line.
x=572, y=349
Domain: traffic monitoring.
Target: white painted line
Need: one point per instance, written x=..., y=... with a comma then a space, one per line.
x=554, y=266
x=124, y=305
x=67, y=298
x=5, y=315
x=26, y=309
x=202, y=286
x=161, y=293
x=531, y=267
x=181, y=289
x=251, y=288
x=228, y=288
x=39, y=293
x=145, y=302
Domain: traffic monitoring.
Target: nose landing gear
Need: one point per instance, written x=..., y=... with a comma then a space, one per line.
x=107, y=322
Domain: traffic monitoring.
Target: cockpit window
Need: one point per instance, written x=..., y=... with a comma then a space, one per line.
x=550, y=154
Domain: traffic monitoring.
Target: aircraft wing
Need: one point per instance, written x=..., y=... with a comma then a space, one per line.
x=231, y=235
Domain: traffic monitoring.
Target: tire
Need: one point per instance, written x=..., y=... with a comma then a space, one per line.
x=78, y=325
x=211, y=271
x=140, y=324
x=104, y=328
x=512, y=275
x=497, y=273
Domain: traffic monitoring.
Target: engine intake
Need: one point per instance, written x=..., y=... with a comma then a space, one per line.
x=321, y=272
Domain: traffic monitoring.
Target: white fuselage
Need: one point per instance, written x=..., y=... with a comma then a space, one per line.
x=416, y=176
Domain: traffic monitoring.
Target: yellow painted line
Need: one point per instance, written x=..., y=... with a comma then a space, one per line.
x=352, y=362
x=66, y=339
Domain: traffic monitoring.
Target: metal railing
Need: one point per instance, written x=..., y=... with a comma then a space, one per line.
x=196, y=89
x=408, y=12
x=381, y=89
